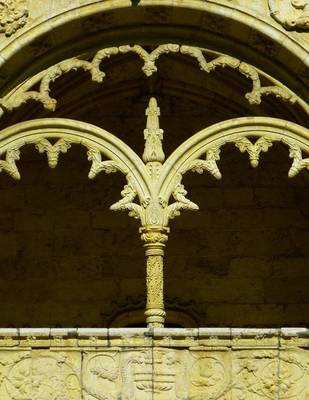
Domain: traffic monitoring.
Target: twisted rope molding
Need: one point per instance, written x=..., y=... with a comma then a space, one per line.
x=24, y=93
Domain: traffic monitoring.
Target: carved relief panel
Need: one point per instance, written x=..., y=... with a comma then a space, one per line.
x=40, y=375
x=160, y=373
x=292, y=14
x=13, y=16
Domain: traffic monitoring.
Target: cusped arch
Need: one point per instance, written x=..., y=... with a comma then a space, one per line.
x=54, y=136
x=201, y=152
x=115, y=23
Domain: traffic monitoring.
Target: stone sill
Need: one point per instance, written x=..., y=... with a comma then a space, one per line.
x=154, y=332
x=197, y=338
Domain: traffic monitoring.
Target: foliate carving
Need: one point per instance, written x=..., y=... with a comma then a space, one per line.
x=62, y=145
x=53, y=151
x=26, y=93
x=254, y=150
x=299, y=163
x=292, y=14
x=98, y=165
x=149, y=67
x=127, y=202
x=132, y=371
x=42, y=375
x=45, y=80
x=8, y=165
x=182, y=203
x=253, y=97
x=154, y=282
x=152, y=236
x=209, y=164
x=264, y=375
x=13, y=15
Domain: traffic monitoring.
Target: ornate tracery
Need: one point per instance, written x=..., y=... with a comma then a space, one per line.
x=156, y=183
x=244, y=40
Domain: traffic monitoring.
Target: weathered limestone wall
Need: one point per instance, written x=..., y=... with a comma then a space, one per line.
x=154, y=364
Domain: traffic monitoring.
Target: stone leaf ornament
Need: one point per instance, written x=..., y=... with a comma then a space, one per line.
x=44, y=79
x=154, y=192
x=13, y=16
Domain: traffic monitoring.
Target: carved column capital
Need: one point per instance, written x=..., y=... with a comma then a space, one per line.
x=154, y=235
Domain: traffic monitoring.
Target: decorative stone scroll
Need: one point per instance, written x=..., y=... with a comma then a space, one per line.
x=292, y=14
x=26, y=92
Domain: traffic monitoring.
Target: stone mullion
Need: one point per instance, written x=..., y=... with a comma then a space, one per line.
x=154, y=239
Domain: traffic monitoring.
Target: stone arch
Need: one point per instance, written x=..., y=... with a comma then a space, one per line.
x=38, y=87
x=208, y=143
x=64, y=133
x=160, y=20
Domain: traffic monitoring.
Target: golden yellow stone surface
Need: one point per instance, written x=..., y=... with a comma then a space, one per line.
x=245, y=65
x=154, y=364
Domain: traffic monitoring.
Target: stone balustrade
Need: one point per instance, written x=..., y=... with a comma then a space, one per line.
x=159, y=363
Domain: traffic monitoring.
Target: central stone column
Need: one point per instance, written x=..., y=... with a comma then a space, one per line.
x=154, y=239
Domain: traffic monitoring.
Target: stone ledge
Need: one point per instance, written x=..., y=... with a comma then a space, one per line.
x=155, y=333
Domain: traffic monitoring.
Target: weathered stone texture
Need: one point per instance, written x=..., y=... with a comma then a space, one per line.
x=153, y=364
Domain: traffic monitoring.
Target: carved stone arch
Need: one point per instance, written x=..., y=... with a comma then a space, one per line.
x=123, y=21
x=259, y=84
x=201, y=152
x=98, y=142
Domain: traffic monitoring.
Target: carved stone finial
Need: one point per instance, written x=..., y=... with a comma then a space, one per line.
x=153, y=134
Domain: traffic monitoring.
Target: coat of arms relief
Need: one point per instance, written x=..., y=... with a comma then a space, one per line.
x=292, y=14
